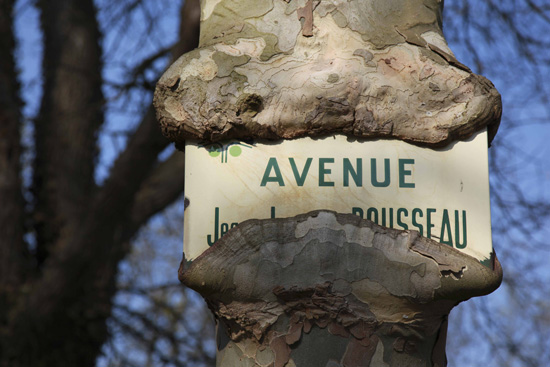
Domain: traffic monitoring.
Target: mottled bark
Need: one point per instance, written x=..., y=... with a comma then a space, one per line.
x=327, y=289
x=285, y=69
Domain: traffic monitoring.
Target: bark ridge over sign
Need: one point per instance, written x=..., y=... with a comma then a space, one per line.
x=258, y=73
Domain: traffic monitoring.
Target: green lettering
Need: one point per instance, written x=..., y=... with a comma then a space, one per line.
x=404, y=172
x=272, y=165
x=370, y=213
x=211, y=240
x=446, y=227
x=374, y=177
x=415, y=223
x=224, y=228
x=357, y=211
x=457, y=230
x=429, y=224
x=356, y=174
x=325, y=171
x=390, y=225
x=300, y=179
x=399, y=220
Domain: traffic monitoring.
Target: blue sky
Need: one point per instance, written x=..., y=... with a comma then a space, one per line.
x=522, y=147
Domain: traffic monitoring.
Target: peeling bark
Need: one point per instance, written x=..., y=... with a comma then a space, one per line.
x=327, y=289
x=314, y=68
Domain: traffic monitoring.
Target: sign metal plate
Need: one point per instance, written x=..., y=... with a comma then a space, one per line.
x=441, y=193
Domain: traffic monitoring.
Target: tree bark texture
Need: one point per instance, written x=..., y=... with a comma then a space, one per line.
x=286, y=69
x=56, y=299
x=327, y=289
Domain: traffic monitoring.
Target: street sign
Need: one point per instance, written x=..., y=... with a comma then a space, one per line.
x=441, y=193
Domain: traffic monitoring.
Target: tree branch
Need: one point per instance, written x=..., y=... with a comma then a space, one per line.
x=12, y=248
x=147, y=142
x=161, y=188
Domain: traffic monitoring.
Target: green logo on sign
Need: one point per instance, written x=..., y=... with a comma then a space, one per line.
x=234, y=149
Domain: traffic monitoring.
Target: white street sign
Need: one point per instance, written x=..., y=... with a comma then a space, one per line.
x=442, y=193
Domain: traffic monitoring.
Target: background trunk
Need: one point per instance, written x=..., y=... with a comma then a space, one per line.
x=55, y=300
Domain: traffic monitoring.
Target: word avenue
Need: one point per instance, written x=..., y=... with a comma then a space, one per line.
x=441, y=193
x=352, y=172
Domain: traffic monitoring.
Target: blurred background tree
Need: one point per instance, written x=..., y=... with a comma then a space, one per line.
x=508, y=41
x=91, y=193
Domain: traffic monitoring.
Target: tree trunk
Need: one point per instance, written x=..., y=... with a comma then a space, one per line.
x=287, y=69
x=327, y=289
x=55, y=301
